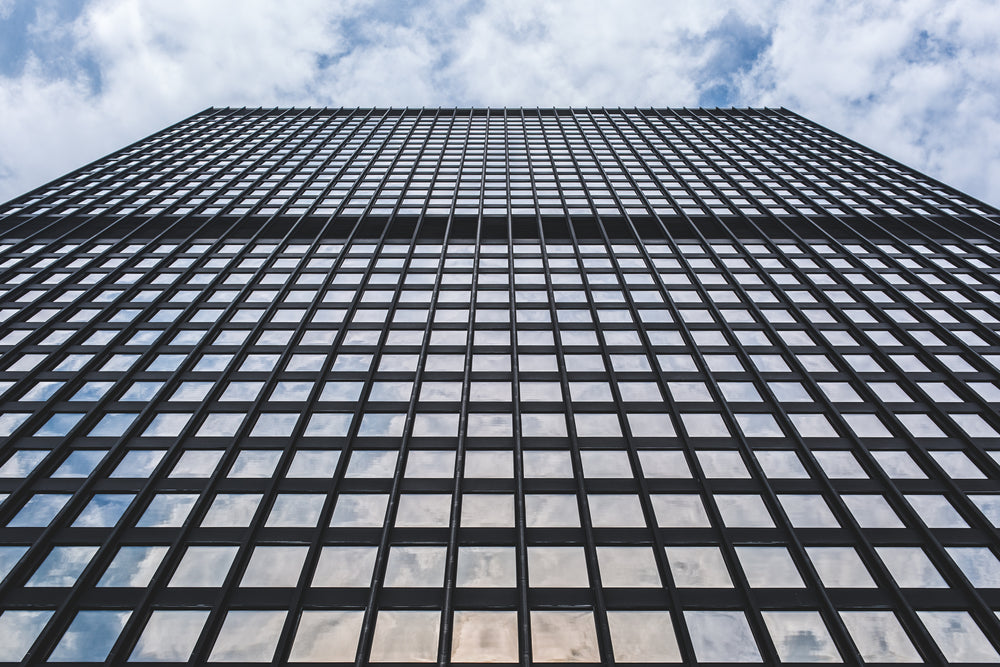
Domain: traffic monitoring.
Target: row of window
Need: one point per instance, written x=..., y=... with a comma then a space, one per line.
x=488, y=510
x=983, y=254
x=490, y=464
x=703, y=566
x=249, y=636
x=646, y=424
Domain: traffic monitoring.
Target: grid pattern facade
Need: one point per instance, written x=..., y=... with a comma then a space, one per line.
x=524, y=386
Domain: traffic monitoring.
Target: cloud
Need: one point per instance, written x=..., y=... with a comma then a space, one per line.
x=915, y=79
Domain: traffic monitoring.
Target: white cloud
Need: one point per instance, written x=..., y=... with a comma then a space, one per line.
x=914, y=78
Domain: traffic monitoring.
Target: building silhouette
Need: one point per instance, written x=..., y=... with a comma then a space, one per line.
x=499, y=385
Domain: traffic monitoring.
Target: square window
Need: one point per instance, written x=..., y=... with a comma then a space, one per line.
x=800, y=636
x=169, y=635
x=643, y=636
x=721, y=636
x=90, y=636
x=840, y=567
x=274, y=566
x=561, y=636
x=484, y=636
x=420, y=629
x=698, y=567
x=344, y=567
x=248, y=636
x=769, y=567
x=879, y=637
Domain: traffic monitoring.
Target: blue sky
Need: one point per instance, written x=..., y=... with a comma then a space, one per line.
x=916, y=79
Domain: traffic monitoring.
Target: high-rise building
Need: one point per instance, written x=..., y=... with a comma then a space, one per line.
x=499, y=385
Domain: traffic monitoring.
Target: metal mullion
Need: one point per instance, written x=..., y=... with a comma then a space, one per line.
x=30, y=480
x=371, y=607
x=316, y=543
x=888, y=486
x=520, y=518
x=101, y=357
x=726, y=547
x=659, y=546
x=186, y=178
x=967, y=350
x=798, y=549
x=451, y=564
x=901, y=298
x=174, y=377
x=94, y=237
x=115, y=272
x=981, y=273
x=679, y=622
x=805, y=128
x=830, y=410
x=932, y=406
x=269, y=495
x=109, y=161
x=590, y=545
x=96, y=216
x=118, y=445
x=870, y=219
x=209, y=491
x=132, y=629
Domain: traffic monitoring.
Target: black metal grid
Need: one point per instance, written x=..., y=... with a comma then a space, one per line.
x=511, y=261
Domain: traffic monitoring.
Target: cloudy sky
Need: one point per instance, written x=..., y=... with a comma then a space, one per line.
x=916, y=79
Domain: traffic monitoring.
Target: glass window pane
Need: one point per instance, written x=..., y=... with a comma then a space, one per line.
x=879, y=636
x=769, y=567
x=677, y=510
x=169, y=635
x=203, y=567
x=628, y=567
x=721, y=636
x=315, y=464
x=344, y=567
x=133, y=567
x=564, y=636
x=235, y=510
x=274, y=566
x=978, y=564
x=327, y=636
x=557, y=567
x=359, y=510
x=80, y=463
x=295, y=510
x=958, y=636
x=800, y=636
x=484, y=636
x=743, y=511
x=197, y=463
x=698, y=567
x=90, y=636
x=840, y=567
x=551, y=511
x=248, y=636
x=486, y=567
x=62, y=567
x=104, y=510
x=910, y=567
x=405, y=636
x=416, y=567
x=643, y=636
x=18, y=631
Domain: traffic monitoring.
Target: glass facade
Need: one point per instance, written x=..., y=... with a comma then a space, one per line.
x=499, y=385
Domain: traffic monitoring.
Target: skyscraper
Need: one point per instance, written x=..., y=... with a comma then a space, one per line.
x=499, y=385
